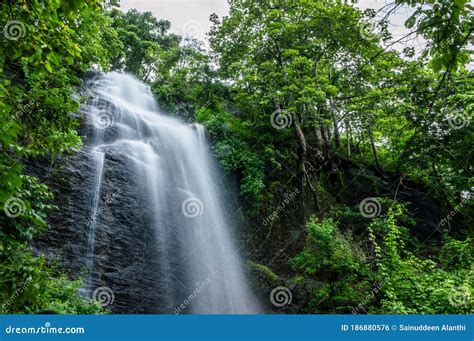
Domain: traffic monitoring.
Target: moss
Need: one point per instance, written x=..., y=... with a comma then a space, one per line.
x=262, y=277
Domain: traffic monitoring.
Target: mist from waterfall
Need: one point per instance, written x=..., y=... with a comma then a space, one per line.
x=179, y=190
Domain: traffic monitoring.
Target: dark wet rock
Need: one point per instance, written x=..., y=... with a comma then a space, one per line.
x=276, y=295
x=124, y=252
x=116, y=249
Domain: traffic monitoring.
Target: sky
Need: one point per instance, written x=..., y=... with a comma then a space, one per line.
x=191, y=17
x=188, y=17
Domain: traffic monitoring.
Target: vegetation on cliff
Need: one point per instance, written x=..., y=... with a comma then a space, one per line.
x=305, y=97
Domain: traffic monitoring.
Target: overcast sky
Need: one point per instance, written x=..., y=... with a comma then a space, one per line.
x=191, y=17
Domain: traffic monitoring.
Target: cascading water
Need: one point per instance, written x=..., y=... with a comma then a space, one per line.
x=180, y=220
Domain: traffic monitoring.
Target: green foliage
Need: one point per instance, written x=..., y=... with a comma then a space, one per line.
x=394, y=281
x=139, y=41
x=30, y=285
x=332, y=257
x=42, y=61
x=234, y=154
x=448, y=24
x=347, y=96
x=456, y=254
x=413, y=285
x=328, y=252
x=352, y=104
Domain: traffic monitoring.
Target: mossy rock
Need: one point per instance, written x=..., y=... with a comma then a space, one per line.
x=264, y=281
x=262, y=278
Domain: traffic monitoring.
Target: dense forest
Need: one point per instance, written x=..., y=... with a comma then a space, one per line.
x=353, y=158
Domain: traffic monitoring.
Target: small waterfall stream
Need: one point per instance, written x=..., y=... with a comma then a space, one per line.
x=169, y=174
x=99, y=158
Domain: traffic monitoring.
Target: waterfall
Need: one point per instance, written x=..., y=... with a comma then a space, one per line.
x=181, y=219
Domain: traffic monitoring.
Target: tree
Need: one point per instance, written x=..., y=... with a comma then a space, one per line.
x=45, y=50
x=448, y=27
x=144, y=40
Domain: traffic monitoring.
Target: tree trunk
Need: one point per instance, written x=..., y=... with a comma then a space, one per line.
x=301, y=137
x=348, y=131
x=374, y=150
x=303, y=157
x=337, y=140
x=319, y=141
